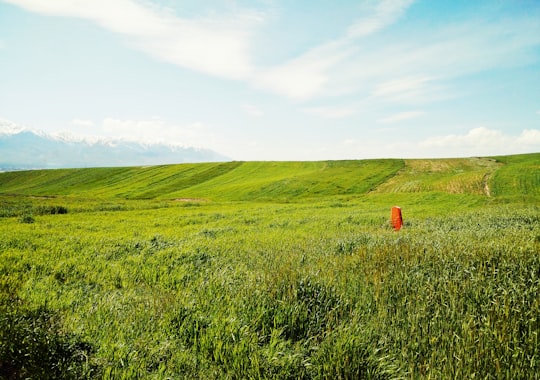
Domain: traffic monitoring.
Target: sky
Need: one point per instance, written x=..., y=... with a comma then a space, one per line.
x=279, y=79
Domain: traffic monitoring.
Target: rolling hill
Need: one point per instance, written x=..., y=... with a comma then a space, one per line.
x=274, y=269
x=496, y=177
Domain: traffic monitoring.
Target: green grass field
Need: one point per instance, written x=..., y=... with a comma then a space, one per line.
x=272, y=270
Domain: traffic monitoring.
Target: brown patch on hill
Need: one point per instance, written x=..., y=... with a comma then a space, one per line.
x=189, y=200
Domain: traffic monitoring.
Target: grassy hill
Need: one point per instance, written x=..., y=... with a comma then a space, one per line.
x=213, y=181
x=499, y=177
x=286, y=270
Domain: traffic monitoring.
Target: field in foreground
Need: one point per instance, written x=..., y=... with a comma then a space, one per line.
x=277, y=270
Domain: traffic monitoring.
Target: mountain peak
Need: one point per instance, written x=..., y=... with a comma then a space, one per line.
x=23, y=148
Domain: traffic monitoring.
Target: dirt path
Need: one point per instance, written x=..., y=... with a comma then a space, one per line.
x=485, y=184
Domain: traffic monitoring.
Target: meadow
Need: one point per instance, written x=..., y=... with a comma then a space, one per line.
x=272, y=270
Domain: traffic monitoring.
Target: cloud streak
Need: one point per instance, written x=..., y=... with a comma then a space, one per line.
x=311, y=74
x=217, y=46
x=401, y=117
x=385, y=13
x=412, y=68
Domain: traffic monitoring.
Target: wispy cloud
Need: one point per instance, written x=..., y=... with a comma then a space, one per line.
x=425, y=65
x=385, y=13
x=403, y=89
x=306, y=76
x=311, y=74
x=216, y=45
x=401, y=116
x=331, y=112
x=158, y=131
x=414, y=67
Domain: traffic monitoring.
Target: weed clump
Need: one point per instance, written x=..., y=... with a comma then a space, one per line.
x=33, y=344
x=51, y=210
x=27, y=219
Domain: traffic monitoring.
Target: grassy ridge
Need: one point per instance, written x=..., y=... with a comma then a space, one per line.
x=508, y=176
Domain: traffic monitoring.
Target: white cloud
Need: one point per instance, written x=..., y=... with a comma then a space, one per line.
x=157, y=131
x=413, y=67
x=213, y=45
x=424, y=62
x=220, y=45
x=421, y=64
x=303, y=77
x=530, y=138
x=479, y=141
x=483, y=141
x=401, y=116
x=385, y=13
x=311, y=74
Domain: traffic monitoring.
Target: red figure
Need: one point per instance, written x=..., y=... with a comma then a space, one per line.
x=396, y=219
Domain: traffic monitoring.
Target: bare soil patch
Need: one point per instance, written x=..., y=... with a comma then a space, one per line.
x=190, y=200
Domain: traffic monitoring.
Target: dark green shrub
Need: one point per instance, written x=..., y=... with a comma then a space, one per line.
x=51, y=210
x=27, y=219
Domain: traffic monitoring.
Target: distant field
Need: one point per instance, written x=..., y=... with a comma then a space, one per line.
x=272, y=270
x=283, y=181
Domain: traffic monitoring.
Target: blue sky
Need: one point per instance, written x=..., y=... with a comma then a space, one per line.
x=279, y=80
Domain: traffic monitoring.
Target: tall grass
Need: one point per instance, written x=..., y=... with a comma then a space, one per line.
x=281, y=291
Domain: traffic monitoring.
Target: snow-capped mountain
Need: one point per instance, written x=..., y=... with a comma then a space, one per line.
x=21, y=148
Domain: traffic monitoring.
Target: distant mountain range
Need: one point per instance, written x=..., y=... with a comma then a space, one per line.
x=21, y=148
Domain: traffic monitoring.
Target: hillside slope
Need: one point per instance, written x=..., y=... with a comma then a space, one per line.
x=214, y=181
x=508, y=176
x=454, y=176
x=518, y=177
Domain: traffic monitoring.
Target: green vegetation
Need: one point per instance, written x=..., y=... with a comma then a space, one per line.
x=33, y=346
x=272, y=270
x=231, y=181
x=518, y=178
